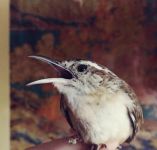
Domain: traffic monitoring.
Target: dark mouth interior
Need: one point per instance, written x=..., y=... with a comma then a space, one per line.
x=65, y=74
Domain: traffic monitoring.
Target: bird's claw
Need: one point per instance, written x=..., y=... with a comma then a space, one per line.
x=74, y=140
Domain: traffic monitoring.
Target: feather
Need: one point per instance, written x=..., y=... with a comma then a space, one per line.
x=66, y=111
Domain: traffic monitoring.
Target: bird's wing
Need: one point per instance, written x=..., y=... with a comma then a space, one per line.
x=66, y=111
x=136, y=118
x=75, y=123
x=135, y=113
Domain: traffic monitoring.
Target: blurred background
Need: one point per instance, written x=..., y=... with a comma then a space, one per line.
x=121, y=35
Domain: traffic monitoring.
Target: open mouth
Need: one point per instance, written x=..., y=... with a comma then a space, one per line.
x=61, y=70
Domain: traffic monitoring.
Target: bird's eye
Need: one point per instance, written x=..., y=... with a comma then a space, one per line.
x=81, y=68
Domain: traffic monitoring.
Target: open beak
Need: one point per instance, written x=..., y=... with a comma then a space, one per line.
x=64, y=73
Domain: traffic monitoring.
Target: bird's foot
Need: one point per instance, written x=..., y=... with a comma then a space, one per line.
x=119, y=147
x=74, y=140
x=112, y=145
x=98, y=147
x=102, y=147
x=108, y=146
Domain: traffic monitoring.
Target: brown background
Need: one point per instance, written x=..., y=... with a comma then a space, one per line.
x=119, y=34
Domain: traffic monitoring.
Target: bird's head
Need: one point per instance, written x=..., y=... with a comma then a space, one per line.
x=81, y=76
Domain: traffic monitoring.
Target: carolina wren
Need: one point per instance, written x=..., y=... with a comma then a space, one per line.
x=99, y=106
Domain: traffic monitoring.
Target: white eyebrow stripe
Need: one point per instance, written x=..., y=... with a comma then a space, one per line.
x=92, y=64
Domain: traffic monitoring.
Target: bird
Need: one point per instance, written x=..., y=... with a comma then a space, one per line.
x=99, y=106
